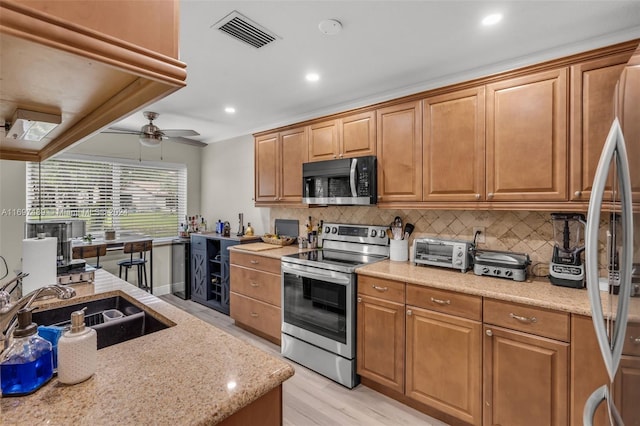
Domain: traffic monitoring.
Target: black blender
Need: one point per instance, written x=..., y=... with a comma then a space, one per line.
x=566, y=268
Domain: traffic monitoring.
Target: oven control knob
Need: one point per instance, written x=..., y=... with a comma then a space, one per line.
x=383, y=233
x=508, y=273
x=327, y=229
x=496, y=271
x=373, y=233
x=334, y=230
x=485, y=270
x=459, y=254
x=458, y=262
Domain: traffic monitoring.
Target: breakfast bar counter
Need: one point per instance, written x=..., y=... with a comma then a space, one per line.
x=189, y=373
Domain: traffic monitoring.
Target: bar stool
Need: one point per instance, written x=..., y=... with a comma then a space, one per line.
x=95, y=250
x=141, y=248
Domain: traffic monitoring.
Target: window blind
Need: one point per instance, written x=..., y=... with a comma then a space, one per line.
x=127, y=197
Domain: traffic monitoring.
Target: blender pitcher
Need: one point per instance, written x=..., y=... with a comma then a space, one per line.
x=566, y=268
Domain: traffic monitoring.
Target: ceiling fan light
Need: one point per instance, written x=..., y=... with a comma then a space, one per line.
x=150, y=140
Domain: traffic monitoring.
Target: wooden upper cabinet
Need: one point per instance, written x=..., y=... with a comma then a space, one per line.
x=358, y=134
x=293, y=153
x=347, y=137
x=629, y=114
x=278, y=166
x=453, y=146
x=399, y=151
x=267, y=167
x=105, y=60
x=593, y=86
x=323, y=141
x=527, y=138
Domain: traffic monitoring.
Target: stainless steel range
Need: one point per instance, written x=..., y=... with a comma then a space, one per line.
x=319, y=299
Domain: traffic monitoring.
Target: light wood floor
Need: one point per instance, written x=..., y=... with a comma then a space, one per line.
x=312, y=399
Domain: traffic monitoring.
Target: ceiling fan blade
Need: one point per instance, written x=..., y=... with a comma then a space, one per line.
x=186, y=141
x=117, y=130
x=179, y=132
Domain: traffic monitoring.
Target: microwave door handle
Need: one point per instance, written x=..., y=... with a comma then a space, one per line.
x=352, y=177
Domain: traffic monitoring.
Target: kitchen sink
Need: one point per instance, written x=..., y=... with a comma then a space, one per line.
x=115, y=319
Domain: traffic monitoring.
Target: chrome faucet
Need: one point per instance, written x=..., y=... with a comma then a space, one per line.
x=9, y=311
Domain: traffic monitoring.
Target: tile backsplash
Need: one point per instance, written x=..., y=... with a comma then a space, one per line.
x=527, y=232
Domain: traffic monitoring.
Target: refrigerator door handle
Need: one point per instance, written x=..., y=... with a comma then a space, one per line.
x=614, y=149
x=594, y=401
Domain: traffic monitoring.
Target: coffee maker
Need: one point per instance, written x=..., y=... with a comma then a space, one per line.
x=566, y=268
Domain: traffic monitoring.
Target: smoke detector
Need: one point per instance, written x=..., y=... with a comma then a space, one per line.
x=330, y=26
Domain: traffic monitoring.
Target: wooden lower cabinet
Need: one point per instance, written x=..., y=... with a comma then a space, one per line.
x=525, y=379
x=588, y=373
x=380, y=341
x=444, y=363
x=256, y=293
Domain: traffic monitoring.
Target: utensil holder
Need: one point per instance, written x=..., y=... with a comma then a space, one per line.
x=399, y=250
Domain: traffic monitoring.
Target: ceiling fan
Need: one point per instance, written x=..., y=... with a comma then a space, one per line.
x=151, y=135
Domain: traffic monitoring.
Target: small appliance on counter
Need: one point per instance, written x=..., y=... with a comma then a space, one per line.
x=566, y=268
x=502, y=264
x=454, y=254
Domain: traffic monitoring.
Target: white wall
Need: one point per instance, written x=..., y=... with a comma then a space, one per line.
x=227, y=184
x=13, y=195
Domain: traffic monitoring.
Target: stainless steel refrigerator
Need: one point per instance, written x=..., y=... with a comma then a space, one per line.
x=612, y=253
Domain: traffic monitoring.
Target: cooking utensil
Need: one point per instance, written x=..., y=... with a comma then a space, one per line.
x=408, y=230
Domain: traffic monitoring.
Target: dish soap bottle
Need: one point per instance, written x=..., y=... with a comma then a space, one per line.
x=77, y=351
x=28, y=363
x=249, y=231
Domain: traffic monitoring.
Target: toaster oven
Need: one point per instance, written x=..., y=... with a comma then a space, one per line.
x=454, y=254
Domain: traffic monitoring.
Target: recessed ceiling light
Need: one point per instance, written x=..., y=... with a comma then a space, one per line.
x=312, y=76
x=492, y=19
x=229, y=110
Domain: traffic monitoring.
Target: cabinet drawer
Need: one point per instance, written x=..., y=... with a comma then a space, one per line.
x=263, y=286
x=448, y=302
x=632, y=339
x=392, y=291
x=198, y=243
x=256, y=314
x=539, y=321
x=266, y=264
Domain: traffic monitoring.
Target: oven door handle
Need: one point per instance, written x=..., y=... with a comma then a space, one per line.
x=352, y=177
x=318, y=274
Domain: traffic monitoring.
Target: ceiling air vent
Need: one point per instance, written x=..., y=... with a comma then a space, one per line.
x=244, y=29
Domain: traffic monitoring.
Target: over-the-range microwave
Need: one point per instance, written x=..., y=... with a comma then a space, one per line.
x=348, y=181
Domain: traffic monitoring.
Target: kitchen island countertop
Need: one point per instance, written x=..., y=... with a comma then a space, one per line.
x=190, y=373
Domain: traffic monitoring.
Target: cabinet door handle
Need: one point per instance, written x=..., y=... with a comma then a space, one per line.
x=359, y=299
x=253, y=314
x=489, y=333
x=529, y=320
x=440, y=301
x=380, y=288
x=578, y=193
x=275, y=198
x=254, y=284
x=490, y=195
x=409, y=312
x=340, y=155
x=477, y=196
x=635, y=340
x=254, y=262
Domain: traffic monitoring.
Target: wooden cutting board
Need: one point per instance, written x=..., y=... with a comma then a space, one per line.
x=257, y=246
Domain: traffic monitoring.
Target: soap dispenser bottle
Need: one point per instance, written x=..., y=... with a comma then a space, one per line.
x=77, y=351
x=28, y=362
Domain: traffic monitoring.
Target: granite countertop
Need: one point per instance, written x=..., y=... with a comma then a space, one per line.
x=537, y=292
x=190, y=373
x=268, y=250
